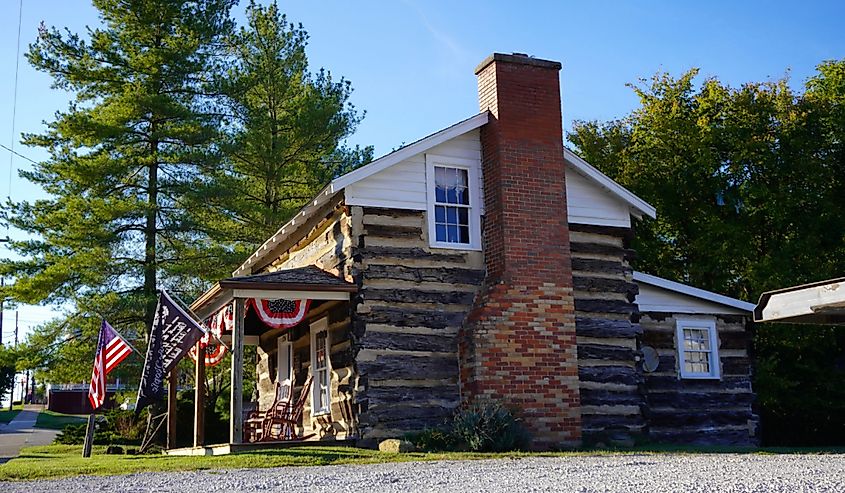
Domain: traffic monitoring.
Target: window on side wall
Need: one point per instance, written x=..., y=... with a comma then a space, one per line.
x=698, y=348
x=453, y=203
x=320, y=368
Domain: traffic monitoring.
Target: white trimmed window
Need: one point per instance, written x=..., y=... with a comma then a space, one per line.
x=321, y=398
x=698, y=348
x=454, y=209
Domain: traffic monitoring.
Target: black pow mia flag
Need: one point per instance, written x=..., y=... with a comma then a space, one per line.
x=172, y=335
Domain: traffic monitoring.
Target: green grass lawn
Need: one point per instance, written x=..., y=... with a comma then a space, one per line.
x=57, y=421
x=7, y=416
x=54, y=461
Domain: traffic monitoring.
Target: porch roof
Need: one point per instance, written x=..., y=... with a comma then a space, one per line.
x=308, y=282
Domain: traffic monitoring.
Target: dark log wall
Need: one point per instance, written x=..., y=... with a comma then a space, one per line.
x=412, y=302
x=706, y=412
x=607, y=332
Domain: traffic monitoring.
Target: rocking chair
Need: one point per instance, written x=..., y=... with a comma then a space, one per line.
x=286, y=418
x=254, y=423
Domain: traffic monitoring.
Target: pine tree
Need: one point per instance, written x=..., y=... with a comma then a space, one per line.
x=138, y=136
x=285, y=132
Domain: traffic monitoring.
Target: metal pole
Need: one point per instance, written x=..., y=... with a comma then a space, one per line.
x=2, y=302
x=89, y=436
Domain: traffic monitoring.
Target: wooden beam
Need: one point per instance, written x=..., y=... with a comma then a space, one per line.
x=272, y=294
x=199, y=397
x=172, y=381
x=236, y=421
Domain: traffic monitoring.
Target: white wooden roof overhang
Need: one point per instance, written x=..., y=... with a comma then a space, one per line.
x=718, y=304
x=309, y=283
x=816, y=303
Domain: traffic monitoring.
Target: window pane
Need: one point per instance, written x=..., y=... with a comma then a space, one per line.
x=452, y=215
x=462, y=196
x=463, y=216
x=452, y=195
x=440, y=176
x=464, y=230
x=440, y=232
x=461, y=178
x=439, y=214
x=440, y=194
x=453, y=234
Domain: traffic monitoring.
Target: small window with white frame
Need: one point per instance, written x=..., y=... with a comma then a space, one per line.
x=698, y=348
x=453, y=203
x=320, y=368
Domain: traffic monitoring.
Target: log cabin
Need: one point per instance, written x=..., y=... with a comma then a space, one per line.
x=486, y=261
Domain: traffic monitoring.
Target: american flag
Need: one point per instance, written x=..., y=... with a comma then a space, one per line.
x=111, y=350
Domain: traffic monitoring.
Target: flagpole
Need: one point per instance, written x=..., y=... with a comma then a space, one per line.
x=89, y=436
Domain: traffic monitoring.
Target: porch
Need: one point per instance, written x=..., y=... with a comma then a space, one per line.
x=301, y=394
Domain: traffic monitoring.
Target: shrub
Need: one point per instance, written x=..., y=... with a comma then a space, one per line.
x=433, y=440
x=487, y=426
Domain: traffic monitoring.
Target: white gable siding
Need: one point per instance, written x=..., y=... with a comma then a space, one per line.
x=587, y=203
x=402, y=186
x=655, y=299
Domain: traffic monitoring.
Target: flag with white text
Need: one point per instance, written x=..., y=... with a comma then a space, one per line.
x=172, y=335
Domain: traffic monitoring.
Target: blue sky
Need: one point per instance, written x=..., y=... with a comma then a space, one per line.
x=411, y=61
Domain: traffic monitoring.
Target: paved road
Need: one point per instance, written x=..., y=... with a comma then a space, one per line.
x=623, y=473
x=20, y=432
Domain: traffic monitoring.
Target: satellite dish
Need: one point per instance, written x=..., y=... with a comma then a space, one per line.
x=650, y=359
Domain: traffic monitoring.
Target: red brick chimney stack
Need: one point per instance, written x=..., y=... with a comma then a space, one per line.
x=518, y=345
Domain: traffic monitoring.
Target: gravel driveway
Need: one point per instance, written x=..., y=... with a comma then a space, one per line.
x=622, y=473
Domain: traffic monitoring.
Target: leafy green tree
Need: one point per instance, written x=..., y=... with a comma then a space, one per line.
x=749, y=184
x=8, y=363
x=138, y=136
x=286, y=130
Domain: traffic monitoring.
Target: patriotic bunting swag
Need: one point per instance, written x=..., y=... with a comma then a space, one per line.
x=111, y=350
x=221, y=322
x=280, y=314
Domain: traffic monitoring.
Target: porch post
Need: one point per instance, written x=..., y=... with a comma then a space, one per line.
x=199, y=397
x=236, y=428
x=172, y=381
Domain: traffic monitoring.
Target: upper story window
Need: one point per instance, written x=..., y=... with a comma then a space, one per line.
x=698, y=352
x=453, y=203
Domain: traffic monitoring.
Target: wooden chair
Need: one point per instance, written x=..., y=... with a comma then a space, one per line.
x=287, y=418
x=254, y=423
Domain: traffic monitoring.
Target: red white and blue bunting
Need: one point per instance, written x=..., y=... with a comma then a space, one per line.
x=280, y=314
x=219, y=323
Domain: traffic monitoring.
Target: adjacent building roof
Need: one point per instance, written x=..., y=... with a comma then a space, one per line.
x=651, y=300
x=637, y=206
x=816, y=303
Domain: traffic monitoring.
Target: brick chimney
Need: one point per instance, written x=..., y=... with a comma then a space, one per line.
x=518, y=345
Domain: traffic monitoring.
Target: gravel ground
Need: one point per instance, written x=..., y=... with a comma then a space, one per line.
x=622, y=473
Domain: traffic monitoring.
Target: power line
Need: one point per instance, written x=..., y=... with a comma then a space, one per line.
x=15, y=98
x=16, y=153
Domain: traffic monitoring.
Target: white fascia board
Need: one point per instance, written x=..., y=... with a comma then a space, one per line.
x=408, y=151
x=324, y=196
x=638, y=205
x=691, y=291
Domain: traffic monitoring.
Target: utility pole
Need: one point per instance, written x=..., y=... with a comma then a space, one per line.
x=16, y=328
x=2, y=301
